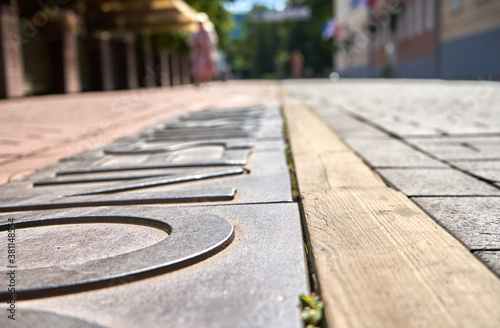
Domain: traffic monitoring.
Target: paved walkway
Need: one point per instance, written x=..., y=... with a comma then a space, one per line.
x=39, y=131
x=379, y=260
x=437, y=142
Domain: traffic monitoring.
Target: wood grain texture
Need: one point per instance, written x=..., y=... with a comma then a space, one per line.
x=321, y=159
x=327, y=171
x=309, y=132
x=380, y=260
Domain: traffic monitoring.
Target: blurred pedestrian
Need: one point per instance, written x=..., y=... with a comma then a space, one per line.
x=297, y=63
x=226, y=72
x=202, y=63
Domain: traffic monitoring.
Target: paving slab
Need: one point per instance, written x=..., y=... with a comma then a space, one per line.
x=391, y=153
x=49, y=319
x=96, y=119
x=480, y=128
x=347, y=126
x=134, y=144
x=428, y=182
x=491, y=258
x=264, y=179
x=253, y=282
x=407, y=130
x=473, y=220
x=179, y=159
x=183, y=240
x=131, y=170
x=460, y=149
x=488, y=170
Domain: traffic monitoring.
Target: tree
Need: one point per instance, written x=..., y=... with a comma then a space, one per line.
x=219, y=16
x=306, y=37
x=265, y=48
x=253, y=54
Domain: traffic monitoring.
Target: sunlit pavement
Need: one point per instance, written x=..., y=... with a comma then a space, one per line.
x=39, y=131
x=436, y=141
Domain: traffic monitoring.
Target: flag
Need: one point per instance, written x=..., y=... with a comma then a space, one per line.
x=329, y=29
x=359, y=3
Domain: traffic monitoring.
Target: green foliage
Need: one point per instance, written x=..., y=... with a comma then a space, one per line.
x=254, y=54
x=219, y=16
x=177, y=40
x=312, y=313
x=265, y=48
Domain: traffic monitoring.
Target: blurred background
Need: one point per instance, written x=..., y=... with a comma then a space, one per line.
x=68, y=46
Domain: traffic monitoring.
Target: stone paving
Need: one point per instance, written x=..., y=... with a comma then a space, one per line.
x=206, y=168
x=436, y=141
x=36, y=132
x=187, y=222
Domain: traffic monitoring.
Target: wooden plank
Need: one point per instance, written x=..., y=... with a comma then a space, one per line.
x=322, y=160
x=380, y=261
x=317, y=172
x=310, y=134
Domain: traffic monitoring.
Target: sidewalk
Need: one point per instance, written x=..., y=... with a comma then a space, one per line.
x=382, y=167
x=378, y=259
x=188, y=222
x=437, y=142
x=39, y=131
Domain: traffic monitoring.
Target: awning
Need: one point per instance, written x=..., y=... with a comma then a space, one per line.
x=154, y=16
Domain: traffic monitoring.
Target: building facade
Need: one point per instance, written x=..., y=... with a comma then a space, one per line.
x=470, y=39
x=450, y=39
x=67, y=46
x=352, y=40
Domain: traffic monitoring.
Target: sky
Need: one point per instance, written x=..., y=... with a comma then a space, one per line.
x=246, y=5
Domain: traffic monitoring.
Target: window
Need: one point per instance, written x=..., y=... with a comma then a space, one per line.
x=407, y=23
x=378, y=41
x=411, y=19
x=429, y=15
x=401, y=26
x=456, y=6
x=418, y=17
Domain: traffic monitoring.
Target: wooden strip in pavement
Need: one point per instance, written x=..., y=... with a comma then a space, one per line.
x=322, y=161
x=380, y=260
